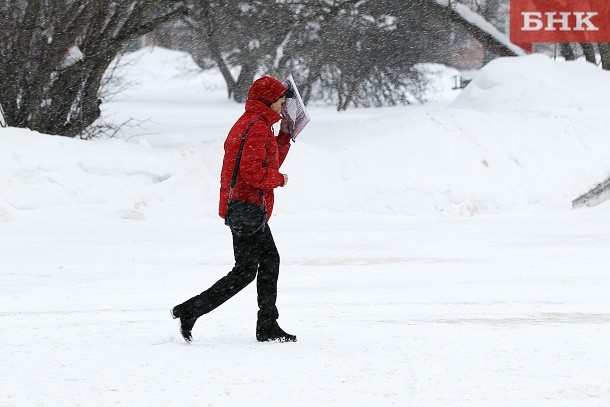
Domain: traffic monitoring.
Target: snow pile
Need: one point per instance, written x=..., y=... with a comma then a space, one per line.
x=527, y=133
x=107, y=178
x=538, y=84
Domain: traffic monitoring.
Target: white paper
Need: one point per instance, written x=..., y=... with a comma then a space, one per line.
x=296, y=110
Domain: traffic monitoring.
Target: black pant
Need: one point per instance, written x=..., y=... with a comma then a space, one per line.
x=253, y=254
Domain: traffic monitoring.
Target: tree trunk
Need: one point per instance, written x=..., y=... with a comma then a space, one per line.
x=83, y=82
x=312, y=76
x=244, y=81
x=566, y=51
x=604, y=51
x=589, y=50
x=14, y=75
x=40, y=94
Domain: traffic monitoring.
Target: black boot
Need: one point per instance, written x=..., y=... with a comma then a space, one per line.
x=271, y=331
x=186, y=323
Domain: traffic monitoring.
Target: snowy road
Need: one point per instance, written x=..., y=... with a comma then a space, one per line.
x=430, y=308
x=491, y=310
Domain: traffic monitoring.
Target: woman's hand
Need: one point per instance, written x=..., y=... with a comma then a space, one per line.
x=286, y=125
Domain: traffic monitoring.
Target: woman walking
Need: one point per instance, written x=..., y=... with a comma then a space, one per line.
x=250, y=173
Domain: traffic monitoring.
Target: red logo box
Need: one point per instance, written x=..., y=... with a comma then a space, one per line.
x=559, y=21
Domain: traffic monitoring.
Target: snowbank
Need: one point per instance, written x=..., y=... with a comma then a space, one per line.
x=527, y=133
x=536, y=83
x=108, y=178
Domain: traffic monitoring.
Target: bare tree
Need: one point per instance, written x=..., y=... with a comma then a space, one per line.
x=246, y=35
x=353, y=52
x=55, y=52
x=365, y=56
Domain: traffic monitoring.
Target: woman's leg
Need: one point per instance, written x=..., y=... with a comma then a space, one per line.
x=267, y=328
x=247, y=254
x=266, y=282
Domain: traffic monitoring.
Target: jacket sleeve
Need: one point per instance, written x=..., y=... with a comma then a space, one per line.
x=251, y=167
x=283, y=144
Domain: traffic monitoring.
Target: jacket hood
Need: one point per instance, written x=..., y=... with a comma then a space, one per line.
x=266, y=90
x=265, y=112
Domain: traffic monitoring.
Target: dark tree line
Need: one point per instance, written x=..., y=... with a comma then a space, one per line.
x=346, y=52
x=41, y=87
x=349, y=52
x=54, y=53
x=244, y=34
x=570, y=52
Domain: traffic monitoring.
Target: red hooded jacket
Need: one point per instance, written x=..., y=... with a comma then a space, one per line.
x=263, y=153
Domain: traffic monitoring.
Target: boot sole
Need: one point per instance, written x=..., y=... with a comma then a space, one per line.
x=282, y=340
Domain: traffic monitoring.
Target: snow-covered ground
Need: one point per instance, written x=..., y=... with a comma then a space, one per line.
x=429, y=253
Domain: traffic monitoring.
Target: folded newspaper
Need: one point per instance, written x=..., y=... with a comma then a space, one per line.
x=295, y=108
